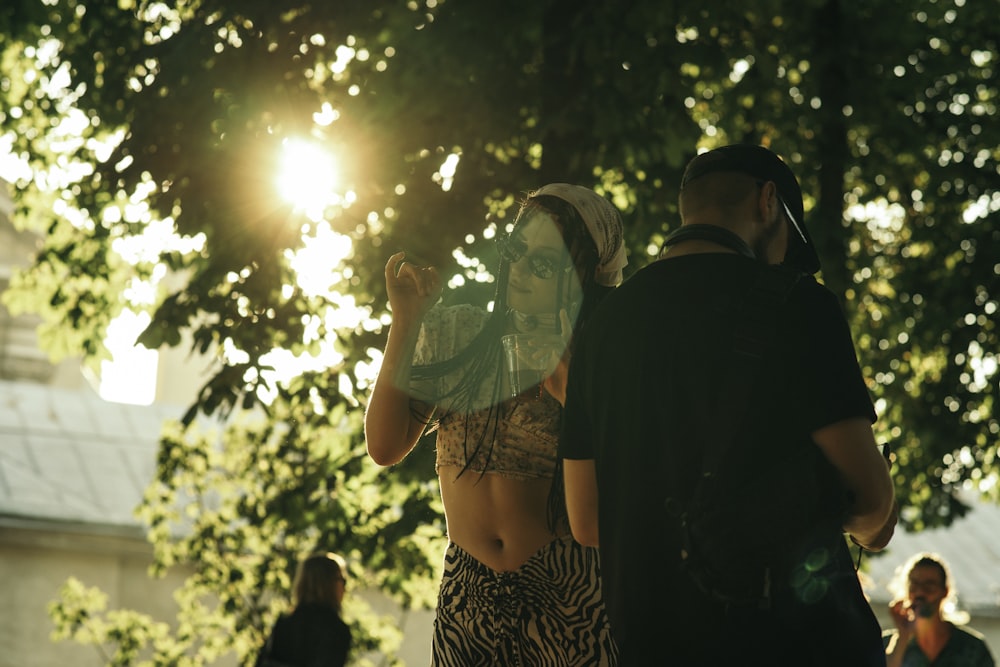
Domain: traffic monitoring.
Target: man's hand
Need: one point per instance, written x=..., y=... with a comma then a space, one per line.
x=902, y=615
x=883, y=537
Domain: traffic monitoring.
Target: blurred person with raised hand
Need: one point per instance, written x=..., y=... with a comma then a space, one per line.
x=929, y=630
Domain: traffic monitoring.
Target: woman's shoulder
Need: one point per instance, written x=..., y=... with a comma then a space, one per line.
x=315, y=609
x=316, y=615
x=448, y=329
x=460, y=316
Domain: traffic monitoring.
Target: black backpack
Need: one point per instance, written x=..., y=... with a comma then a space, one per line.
x=722, y=549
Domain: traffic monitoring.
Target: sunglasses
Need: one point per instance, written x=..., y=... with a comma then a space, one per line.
x=924, y=585
x=513, y=248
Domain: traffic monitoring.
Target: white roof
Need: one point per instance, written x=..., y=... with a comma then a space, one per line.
x=69, y=455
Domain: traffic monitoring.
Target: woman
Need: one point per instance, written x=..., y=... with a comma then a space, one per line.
x=516, y=590
x=313, y=635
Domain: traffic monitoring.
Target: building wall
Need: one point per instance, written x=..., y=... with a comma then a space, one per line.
x=37, y=560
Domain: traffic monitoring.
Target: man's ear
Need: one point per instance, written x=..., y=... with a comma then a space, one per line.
x=768, y=202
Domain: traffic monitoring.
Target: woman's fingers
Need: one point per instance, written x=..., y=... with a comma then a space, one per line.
x=431, y=282
x=395, y=263
x=424, y=279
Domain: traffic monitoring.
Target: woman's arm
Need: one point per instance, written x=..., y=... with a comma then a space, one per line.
x=580, y=481
x=392, y=428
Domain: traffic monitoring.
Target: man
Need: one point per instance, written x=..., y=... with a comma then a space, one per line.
x=647, y=391
x=923, y=636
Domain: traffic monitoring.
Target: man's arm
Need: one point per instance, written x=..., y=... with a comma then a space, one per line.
x=580, y=479
x=849, y=445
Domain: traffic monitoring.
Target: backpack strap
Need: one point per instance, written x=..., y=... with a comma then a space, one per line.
x=713, y=233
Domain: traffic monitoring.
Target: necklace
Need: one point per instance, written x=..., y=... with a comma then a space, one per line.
x=528, y=323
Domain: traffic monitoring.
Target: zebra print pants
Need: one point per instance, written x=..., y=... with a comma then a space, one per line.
x=547, y=613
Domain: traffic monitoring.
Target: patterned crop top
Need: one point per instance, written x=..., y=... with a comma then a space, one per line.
x=523, y=445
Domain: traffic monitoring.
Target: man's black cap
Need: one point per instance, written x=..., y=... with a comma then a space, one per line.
x=764, y=165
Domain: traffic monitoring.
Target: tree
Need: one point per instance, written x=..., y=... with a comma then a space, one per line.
x=240, y=510
x=881, y=109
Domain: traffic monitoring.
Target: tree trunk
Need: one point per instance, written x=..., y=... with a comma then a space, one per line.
x=826, y=223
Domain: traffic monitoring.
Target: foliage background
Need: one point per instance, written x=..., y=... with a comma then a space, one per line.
x=883, y=108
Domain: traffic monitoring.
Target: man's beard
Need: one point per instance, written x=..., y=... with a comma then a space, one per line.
x=922, y=608
x=763, y=242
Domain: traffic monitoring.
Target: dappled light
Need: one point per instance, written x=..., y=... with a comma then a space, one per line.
x=230, y=180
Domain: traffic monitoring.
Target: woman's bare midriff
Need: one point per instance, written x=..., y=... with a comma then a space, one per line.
x=499, y=521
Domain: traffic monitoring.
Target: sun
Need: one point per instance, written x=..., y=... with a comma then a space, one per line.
x=308, y=176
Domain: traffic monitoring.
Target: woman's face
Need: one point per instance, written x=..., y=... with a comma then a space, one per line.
x=538, y=246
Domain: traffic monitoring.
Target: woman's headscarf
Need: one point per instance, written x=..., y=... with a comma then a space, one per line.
x=604, y=223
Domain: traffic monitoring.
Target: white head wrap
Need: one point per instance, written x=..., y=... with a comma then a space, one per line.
x=604, y=223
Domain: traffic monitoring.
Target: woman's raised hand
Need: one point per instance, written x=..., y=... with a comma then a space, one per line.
x=412, y=289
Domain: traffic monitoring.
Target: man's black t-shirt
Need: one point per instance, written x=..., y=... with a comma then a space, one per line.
x=644, y=390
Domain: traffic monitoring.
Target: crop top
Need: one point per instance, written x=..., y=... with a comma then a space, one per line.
x=523, y=444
